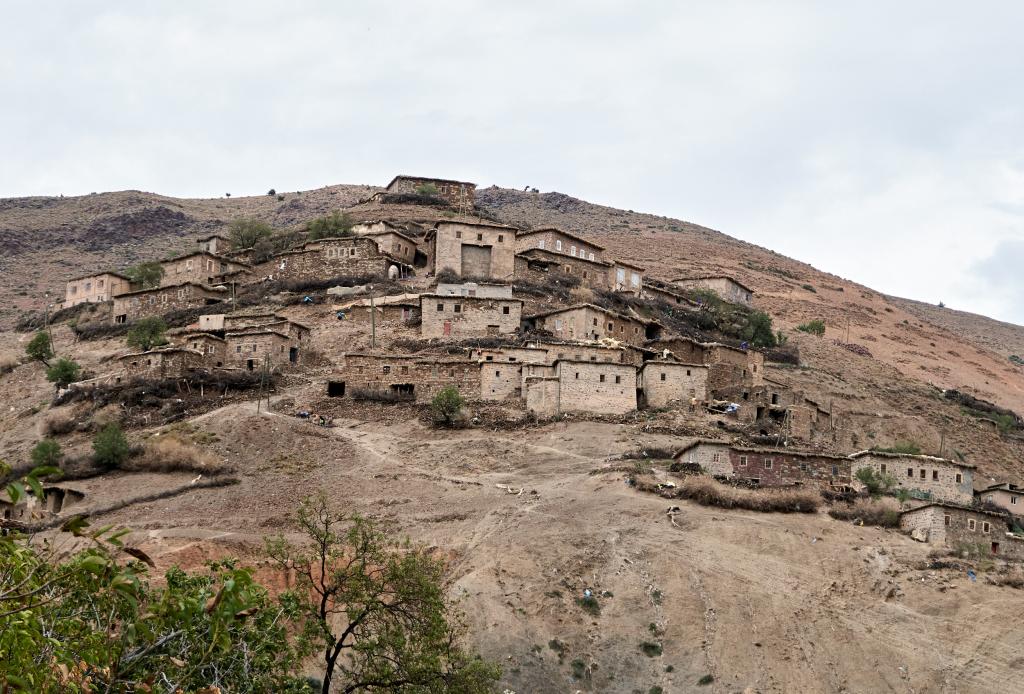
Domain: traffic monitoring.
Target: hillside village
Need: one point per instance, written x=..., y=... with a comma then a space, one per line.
x=596, y=387
x=541, y=322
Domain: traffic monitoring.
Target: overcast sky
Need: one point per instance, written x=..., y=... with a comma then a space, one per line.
x=881, y=141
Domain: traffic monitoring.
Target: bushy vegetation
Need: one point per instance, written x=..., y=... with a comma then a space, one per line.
x=63, y=372
x=814, y=327
x=446, y=405
x=875, y=483
x=883, y=512
x=336, y=224
x=246, y=233
x=427, y=190
x=734, y=320
x=709, y=492
x=46, y=453
x=147, y=333
x=40, y=347
x=110, y=447
x=147, y=275
x=170, y=453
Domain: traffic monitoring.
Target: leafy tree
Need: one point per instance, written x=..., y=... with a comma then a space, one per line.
x=146, y=275
x=447, y=404
x=245, y=233
x=40, y=347
x=427, y=190
x=110, y=447
x=333, y=225
x=378, y=615
x=876, y=483
x=46, y=453
x=271, y=192
x=758, y=331
x=814, y=327
x=147, y=333
x=63, y=372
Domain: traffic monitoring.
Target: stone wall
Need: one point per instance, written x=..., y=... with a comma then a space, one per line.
x=664, y=382
x=353, y=257
x=960, y=528
x=213, y=349
x=779, y=467
x=538, y=265
x=157, y=364
x=592, y=323
x=154, y=302
x=522, y=355
x=944, y=480
x=465, y=316
x=427, y=375
x=1011, y=501
x=501, y=381
x=196, y=267
x=558, y=242
x=625, y=278
x=724, y=287
x=541, y=395
x=248, y=349
x=597, y=387
x=456, y=242
x=456, y=193
x=712, y=456
x=95, y=288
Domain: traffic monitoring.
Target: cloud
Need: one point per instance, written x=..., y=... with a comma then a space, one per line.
x=879, y=141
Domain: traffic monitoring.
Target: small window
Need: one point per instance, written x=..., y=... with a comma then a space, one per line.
x=663, y=376
x=743, y=461
x=479, y=237
x=881, y=467
x=505, y=310
x=910, y=472
x=835, y=470
x=985, y=527
x=935, y=475
x=946, y=520
x=577, y=374
x=924, y=474
x=451, y=373
x=501, y=238
x=497, y=374
x=611, y=327
x=687, y=372
x=1013, y=500
x=238, y=348
x=387, y=369
x=405, y=369
x=458, y=234
x=768, y=463
x=558, y=244
x=458, y=308
x=618, y=379
x=601, y=378
x=591, y=256
x=959, y=478
x=595, y=322
x=541, y=244
x=970, y=524
x=803, y=467
x=715, y=457
x=440, y=307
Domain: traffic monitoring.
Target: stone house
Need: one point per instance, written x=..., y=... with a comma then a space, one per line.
x=626, y=277
x=542, y=266
x=727, y=288
x=669, y=294
x=350, y=256
x=558, y=241
x=248, y=348
x=212, y=347
x=458, y=194
x=395, y=243
x=662, y=382
x=1006, y=496
x=960, y=527
x=924, y=476
x=403, y=309
x=510, y=355
x=501, y=380
x=597, y=387
x=468, y=316
x=417, y=377
x=215, y=244
x=479, y=289
x=766, y=467
x=540, y=352
x=154, y=302
x=200, y=267
x=590, y=322
x=163, y=362
x=55, y=499
x=97, y=287
x=712, y=455
x=728, y=366
x=469, y=249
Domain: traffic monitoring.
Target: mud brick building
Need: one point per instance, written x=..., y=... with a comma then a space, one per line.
x=711, y=455
x=212, y=347
x=394, y=242
x=478, y=289
x=580, y=386
x=558, y=241
x=510, y=355
x=248, y=348
x=478, y=250
x=200, y=267
x=417, y=377
x=215, y=244
x=98, y=287
x=590, y=322
x=332, y=257
x=656, y=290
x=154, y=302
x=501, y=380
x=626, y=277
x=542, y=266
x=728, y=367
x=468, y=316
x=399, y=309
x=663, y=382
x=1006, y=496
x=924, y=476
x=458, y=194
x=767, y=467
x=725, y=287
x=540, y=352
x=165, y=362
x=960, y=527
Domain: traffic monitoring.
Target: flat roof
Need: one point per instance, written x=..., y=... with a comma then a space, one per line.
x=665, y=362
x=205, y=288
x=394, y=231
x=556, y=256
x=594, y=362
x=911, y=456
x=403, y=177
x=491, y=225
x=200, y=333
x=159, y=350
x=577, y=307
x=256, y=330
x=571, y=235
x=714, y=277
x=213, y=236
x=99, y=274
x=463, y=297
x=193, y=254
x=619, y=261
x=955, y=507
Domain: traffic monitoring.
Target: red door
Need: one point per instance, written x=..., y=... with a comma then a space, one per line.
x=447, y=328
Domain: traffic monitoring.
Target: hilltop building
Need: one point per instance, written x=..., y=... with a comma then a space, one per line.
x=458, y=194
x=468, y=316
x=724, y=286
x=154, y=302
x=97, y=287
x=200, y=267
x=924, y=476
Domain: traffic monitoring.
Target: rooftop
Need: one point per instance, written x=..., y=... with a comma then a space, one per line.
x=714, y=277
x=205, y=288
x=403, y=177
x=955, y=507
x=100, y=274
x=912, y=456
x=556, y=230
x=577, y=307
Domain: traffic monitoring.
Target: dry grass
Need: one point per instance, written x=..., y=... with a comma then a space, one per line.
x=8, y=362
x=1012, y=576
x=884, y=512
x=58, y=422
x=708, y=492
x=172, y=454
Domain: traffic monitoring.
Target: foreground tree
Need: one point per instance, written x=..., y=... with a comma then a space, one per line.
x=110, y=447
x=46, y=453
x=376, y=611
x=147, y=333
x=63, y=372
x=446, y=405
x=40, y=348
x=246, y=233
x=147, y=275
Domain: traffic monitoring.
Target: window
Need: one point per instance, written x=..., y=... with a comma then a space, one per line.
x=618, y=379
x=924, y=474
x=386, y=369
x=635, y=280
x=715, y=457
x=1013, y=500
x=601, y=378
x=99, y=284
x=910, y=472
x=458, y=308
x=687, y=372
x=768, y=463
x=882, y=468
x=591, y=256
x=440, y=307
x=458, y=234
x=479, y=237
x=88, y=286
x=558, y=326
x=803, y=467
x=501, y=238
x=970, y=524
x=541, y=244
x=985, y=527
x=238, y=349
x=959, y=478
x=405, y=369
x=595, y=322
x=577, y=374
x=611, y=327
x=558, y=244
x=946, y=520
x=835, y=470
x=935, y=475
x=489, y=358
x=743, y=461
x=497, y=373
x=572, y=250
x=663, y=376
x=505, y=310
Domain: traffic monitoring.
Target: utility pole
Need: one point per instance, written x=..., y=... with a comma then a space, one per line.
x=263, y=380
x=373, y=321
x=46, y=320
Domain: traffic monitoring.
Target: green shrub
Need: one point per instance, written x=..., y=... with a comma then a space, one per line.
x=147, y=333
x=650, y=649
x=427, y=190
x=332, y=226
x=814, y=327
x=579, y=668
x=40, y=348
x=446, y=405
x=146, y=275
x=245, y=233
x=110, y=447
x=63, y=372
x=46, y=453
x=589, y=604
x=876, y=483
x=810, y=288
x=706, y=679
